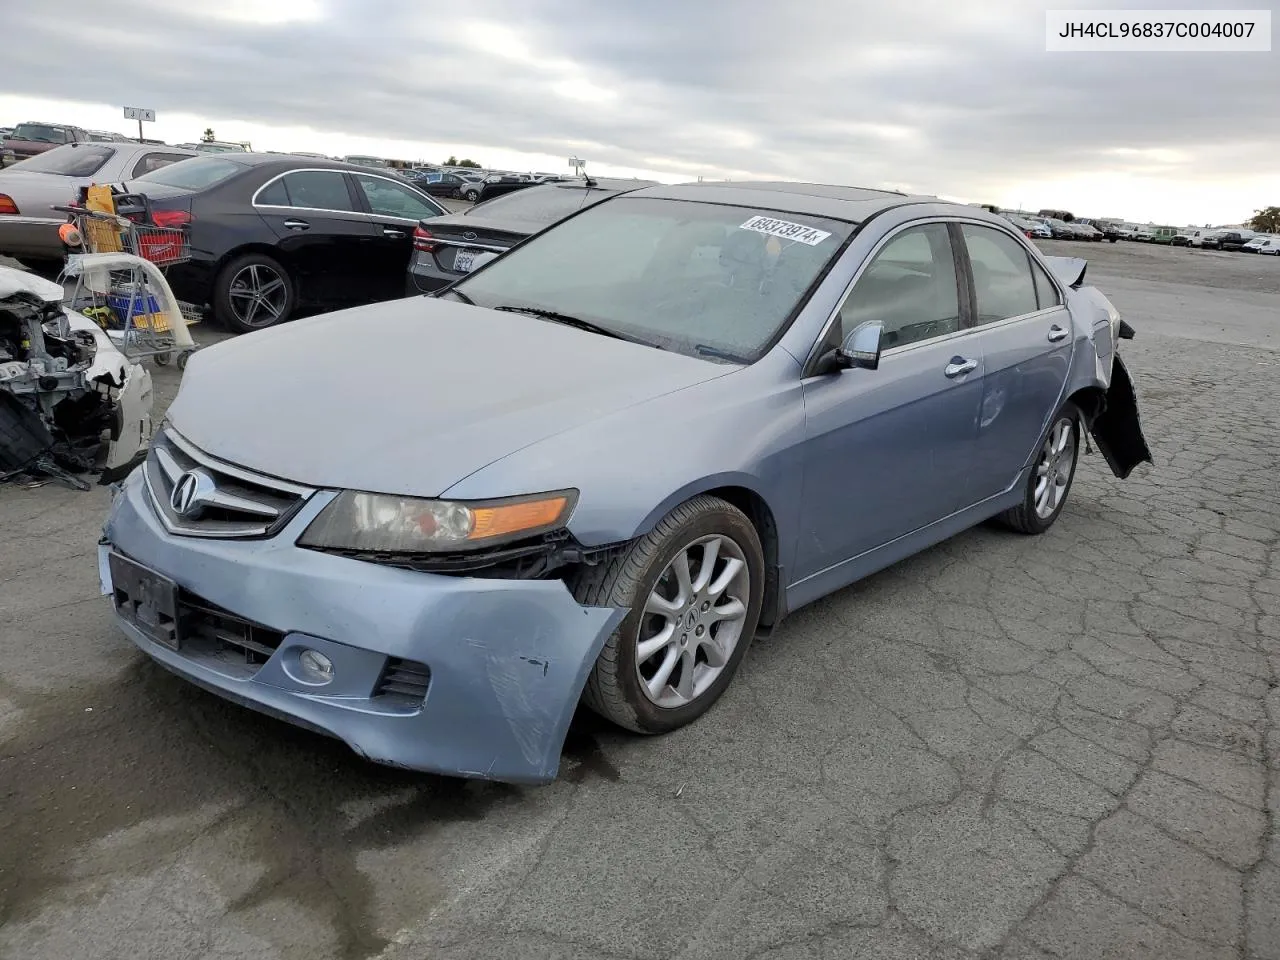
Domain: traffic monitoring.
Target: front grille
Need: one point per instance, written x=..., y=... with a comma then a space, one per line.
x=232, y=640
x=217, y=499
x=404, y=681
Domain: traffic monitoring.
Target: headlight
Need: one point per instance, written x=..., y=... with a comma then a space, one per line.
x=381, y=523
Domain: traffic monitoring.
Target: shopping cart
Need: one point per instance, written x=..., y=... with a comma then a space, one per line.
x=118, y=280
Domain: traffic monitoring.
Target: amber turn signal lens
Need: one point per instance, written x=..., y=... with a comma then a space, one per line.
x=501, y=521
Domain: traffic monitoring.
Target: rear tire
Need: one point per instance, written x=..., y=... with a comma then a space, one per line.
x=253, y=292
x=704, y=638
x=1055, y=466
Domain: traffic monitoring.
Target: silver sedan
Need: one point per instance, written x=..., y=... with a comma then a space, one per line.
x=30, y=188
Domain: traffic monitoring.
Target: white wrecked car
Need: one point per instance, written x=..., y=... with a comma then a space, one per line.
x=70, y=401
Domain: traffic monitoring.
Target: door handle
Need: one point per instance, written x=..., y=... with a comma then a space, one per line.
x=393, y=233
x=959, y=366
x=297, y=225
x=1056, y=333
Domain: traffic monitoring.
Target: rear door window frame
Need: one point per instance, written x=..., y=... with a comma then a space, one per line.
x=353, y=193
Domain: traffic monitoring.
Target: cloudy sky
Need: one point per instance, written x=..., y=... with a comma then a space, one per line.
x=950, y=97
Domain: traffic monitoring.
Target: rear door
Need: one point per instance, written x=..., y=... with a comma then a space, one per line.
x=1026, y=341
x=326, y=240
x=395, y=209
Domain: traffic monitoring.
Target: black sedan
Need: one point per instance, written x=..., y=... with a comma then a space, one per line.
x=450, y=247
x=271, y=235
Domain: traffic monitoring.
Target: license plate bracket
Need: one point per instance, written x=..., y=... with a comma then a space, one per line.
x=145, y=599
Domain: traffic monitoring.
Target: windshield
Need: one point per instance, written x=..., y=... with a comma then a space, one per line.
x=698, y=278
x=41, y=133
x=194, y=174
x=70, y=160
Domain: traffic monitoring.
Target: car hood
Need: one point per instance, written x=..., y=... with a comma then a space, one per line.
x=411, y=396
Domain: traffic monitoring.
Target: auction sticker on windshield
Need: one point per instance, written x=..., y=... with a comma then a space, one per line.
x=786, y=230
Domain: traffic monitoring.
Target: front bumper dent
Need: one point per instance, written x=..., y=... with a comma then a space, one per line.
x=508, y=658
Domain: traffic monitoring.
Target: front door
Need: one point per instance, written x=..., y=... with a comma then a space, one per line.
x=1025, y=333
x=887, y=450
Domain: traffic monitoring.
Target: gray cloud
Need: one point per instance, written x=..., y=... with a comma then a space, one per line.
x=949, y=97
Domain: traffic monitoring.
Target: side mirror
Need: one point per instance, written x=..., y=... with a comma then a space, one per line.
x=861, y=348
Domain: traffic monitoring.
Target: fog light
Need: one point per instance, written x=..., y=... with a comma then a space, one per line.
x=315, y=666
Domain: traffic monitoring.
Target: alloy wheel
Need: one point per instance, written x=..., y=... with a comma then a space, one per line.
x=693, y=620
x=1053, y=471
x=258, y=295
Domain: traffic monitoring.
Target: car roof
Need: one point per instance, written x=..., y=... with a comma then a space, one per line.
x=286, y=160
x=854, y=204
x=599, y=183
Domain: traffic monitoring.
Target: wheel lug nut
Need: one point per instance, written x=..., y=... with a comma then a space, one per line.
x=706, y=605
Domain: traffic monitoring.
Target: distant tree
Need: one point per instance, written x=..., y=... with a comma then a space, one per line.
x=208, y=136
x=452, y=161
x=1266, y=220
x=468, y=163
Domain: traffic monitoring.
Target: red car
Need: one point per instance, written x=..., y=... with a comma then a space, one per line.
x=28, y=139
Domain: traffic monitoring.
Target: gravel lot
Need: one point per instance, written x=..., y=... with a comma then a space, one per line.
x=1004, y=747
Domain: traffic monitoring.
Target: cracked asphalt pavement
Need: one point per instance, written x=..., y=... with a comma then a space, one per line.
x=1005, y=747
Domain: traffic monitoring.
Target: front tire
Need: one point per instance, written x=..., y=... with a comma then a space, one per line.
x=694, y=587
x=1051, y=477
x=253, y=292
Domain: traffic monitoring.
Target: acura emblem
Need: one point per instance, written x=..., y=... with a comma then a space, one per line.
x=190, y=493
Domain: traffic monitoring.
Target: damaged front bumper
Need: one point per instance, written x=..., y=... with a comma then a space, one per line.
x=454, y=675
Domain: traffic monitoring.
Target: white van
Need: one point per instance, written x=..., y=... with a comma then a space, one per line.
x=1263, y=243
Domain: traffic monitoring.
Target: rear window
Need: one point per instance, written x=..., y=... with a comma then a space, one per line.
x=70, y=160
x=194, y=174
x=42, y=133
x=538, y=205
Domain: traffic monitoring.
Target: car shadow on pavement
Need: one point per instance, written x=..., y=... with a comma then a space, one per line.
x=144, y=766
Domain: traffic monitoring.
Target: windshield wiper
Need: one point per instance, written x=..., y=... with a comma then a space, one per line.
x=457, y=293
x=576, y=322
x=715, y=353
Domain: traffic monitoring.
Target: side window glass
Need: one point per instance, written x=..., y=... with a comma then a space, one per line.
x=274, y=195
x=389, y=199
x=1002, y=276
x=318, y=190
x=154, y=161
x=1046, y=292
x=910, y=287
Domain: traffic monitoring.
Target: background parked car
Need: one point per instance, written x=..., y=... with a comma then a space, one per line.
x=271, y=234
x=1266, y=245
x=29, y=228
x=1087, y=231
x=1030, y=228
x=442, y=184
x=452, y=246
x=1234, y=239
x=1058, y=229
x=31, y=138
x=108, y=136
x=1163, y=235
x=1110, y=230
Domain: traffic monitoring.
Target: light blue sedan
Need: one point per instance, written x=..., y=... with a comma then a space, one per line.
x=591, y=470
